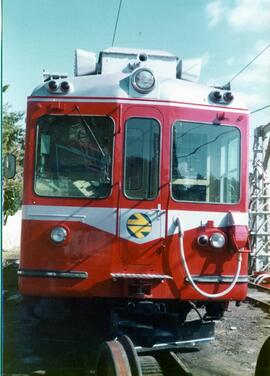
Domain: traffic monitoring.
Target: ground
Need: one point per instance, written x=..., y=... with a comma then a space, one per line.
x=33, y=346
x=239, y=337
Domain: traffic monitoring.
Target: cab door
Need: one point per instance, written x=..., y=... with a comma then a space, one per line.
x=141, y=218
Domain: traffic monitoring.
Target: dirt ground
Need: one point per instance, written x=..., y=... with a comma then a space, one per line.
x=32, y=347
x=239, y=337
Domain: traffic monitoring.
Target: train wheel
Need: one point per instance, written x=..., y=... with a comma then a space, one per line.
x=133, y=358
x=112, y=360
x=263, y=362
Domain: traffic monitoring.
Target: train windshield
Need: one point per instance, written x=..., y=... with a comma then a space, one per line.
x=205, y=163
x=74, y=156
x=142, y=147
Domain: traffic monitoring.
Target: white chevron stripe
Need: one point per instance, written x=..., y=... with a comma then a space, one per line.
x=105, y=219
x=101, y=218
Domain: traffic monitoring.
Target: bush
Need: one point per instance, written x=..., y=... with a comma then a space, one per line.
x=13, y=143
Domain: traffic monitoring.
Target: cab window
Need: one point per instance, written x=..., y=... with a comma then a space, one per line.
x=74, y=156
x=205, y=163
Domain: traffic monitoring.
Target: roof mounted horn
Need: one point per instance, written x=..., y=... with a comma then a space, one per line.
x=189, y=69
x=85, y=63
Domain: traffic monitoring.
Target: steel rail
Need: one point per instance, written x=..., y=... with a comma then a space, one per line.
x=262, y=300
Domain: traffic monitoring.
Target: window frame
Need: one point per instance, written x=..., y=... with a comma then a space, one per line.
x=159, y=162
x=240, y=163
x=36, y=152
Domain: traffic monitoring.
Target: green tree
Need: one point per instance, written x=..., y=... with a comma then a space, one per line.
x=13, y=143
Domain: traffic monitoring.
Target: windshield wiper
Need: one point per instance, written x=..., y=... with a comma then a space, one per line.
x=91, y=132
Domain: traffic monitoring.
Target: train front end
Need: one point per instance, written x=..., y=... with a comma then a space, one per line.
x=135, y=190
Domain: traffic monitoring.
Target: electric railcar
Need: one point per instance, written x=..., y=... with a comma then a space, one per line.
x=135, y=192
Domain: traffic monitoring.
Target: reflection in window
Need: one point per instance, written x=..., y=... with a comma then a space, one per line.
x=206, y=163
x=74, y=156
x=142, y=158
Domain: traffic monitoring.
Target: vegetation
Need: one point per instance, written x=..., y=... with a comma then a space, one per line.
x=13, y=143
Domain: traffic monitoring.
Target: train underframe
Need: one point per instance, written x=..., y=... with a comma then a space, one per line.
x=149, y=323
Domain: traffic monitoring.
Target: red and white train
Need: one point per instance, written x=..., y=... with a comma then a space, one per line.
x=135, y=192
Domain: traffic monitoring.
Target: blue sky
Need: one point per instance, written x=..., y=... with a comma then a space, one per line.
x=227, y=34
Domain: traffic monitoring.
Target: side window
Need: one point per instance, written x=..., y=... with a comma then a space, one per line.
x=142, y=154
x=74, y=156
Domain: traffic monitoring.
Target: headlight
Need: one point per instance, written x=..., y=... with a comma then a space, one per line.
x=58, y=234
x=143, y=80
x=217, y=240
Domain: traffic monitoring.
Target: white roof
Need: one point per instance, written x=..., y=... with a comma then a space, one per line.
x=137, y=51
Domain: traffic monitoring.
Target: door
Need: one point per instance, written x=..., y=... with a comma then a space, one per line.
x=141, y=218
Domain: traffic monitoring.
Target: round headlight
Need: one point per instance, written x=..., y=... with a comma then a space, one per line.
x=217, y=240
x=58, y=234
x=143, y=80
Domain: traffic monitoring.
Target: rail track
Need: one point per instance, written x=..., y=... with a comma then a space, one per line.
x=31, y=344
x=259, y=296
x=121, y=358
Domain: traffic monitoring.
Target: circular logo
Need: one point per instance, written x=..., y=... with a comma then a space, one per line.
x=139, y=225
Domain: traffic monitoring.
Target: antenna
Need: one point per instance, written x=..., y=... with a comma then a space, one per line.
x=116, y=23
x=260, y=109
x=228, y=85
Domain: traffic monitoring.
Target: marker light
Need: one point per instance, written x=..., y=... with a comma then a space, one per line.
x=228, y=97
x=143, y=80
x=58, y=234
x=217, y=240
x=65, y=86
x=202, y=240
x=216, y=95
x=142, y=57
x=53, y=85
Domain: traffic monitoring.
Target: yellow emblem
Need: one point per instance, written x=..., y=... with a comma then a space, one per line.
x=139, y=225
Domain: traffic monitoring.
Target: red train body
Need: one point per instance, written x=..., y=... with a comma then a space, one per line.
x=123, y=167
